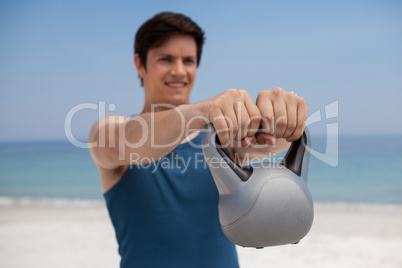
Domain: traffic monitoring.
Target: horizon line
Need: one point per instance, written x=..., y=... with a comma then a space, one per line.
x=84, y=139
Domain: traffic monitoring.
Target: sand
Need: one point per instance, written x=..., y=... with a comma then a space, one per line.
x=58, y=233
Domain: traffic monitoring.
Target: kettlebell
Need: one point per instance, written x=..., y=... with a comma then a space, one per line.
x=266, y=203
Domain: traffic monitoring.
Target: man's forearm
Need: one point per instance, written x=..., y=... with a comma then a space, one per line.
x=151, y=136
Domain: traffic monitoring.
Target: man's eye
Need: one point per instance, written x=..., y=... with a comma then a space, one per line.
x=189, y=61
x=164, y=59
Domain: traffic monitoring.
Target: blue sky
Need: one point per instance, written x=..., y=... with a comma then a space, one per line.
x=55, y=55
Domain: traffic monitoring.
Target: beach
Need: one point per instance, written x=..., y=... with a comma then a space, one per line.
x=78, y=233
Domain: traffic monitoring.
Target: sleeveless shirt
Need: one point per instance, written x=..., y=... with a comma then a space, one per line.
x=165, y=213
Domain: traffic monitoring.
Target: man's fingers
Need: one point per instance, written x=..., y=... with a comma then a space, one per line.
x=301, y=119
x=267, y=117
x=291, y=112
x=280, y=117
x=231, y=120
x=262, y=138
x=278, y=114
x=221, y=128
x=254, y=119
x=242, y=120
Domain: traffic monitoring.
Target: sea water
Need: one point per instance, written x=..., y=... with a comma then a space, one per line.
x=369, y=170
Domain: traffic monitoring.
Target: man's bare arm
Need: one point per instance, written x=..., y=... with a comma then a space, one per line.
x=149, y=136
x=235, y=116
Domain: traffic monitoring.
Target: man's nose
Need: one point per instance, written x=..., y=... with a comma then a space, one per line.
x=178, y=68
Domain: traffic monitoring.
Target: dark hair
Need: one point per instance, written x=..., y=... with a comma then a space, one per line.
x=157, y=30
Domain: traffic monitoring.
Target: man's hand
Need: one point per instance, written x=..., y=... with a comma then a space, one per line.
x=284, y=115
x=233, y=114
x=281, y=116
x=236, y=117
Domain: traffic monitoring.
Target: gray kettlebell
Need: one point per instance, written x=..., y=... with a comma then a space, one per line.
x=265, y=204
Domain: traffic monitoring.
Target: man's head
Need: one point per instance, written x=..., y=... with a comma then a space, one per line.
x=157, y=30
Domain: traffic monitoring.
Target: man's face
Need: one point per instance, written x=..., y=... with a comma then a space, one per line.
x=170, y=71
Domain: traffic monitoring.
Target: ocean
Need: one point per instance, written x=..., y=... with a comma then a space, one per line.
x=369, y=170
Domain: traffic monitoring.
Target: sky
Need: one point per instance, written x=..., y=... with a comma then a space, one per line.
x=74, y=60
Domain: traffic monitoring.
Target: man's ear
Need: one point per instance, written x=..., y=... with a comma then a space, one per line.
x=140, y=68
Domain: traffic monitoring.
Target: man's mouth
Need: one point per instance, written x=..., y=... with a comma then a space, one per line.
x=176, y=84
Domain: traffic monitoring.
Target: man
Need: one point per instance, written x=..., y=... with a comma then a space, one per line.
x=159, y=192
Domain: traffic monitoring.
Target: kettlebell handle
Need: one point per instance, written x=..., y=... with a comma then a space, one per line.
x=293, y=159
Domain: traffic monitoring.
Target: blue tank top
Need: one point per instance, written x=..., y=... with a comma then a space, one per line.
x=165, y=213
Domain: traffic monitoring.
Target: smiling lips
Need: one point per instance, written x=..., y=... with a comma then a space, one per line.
x=176, y=84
